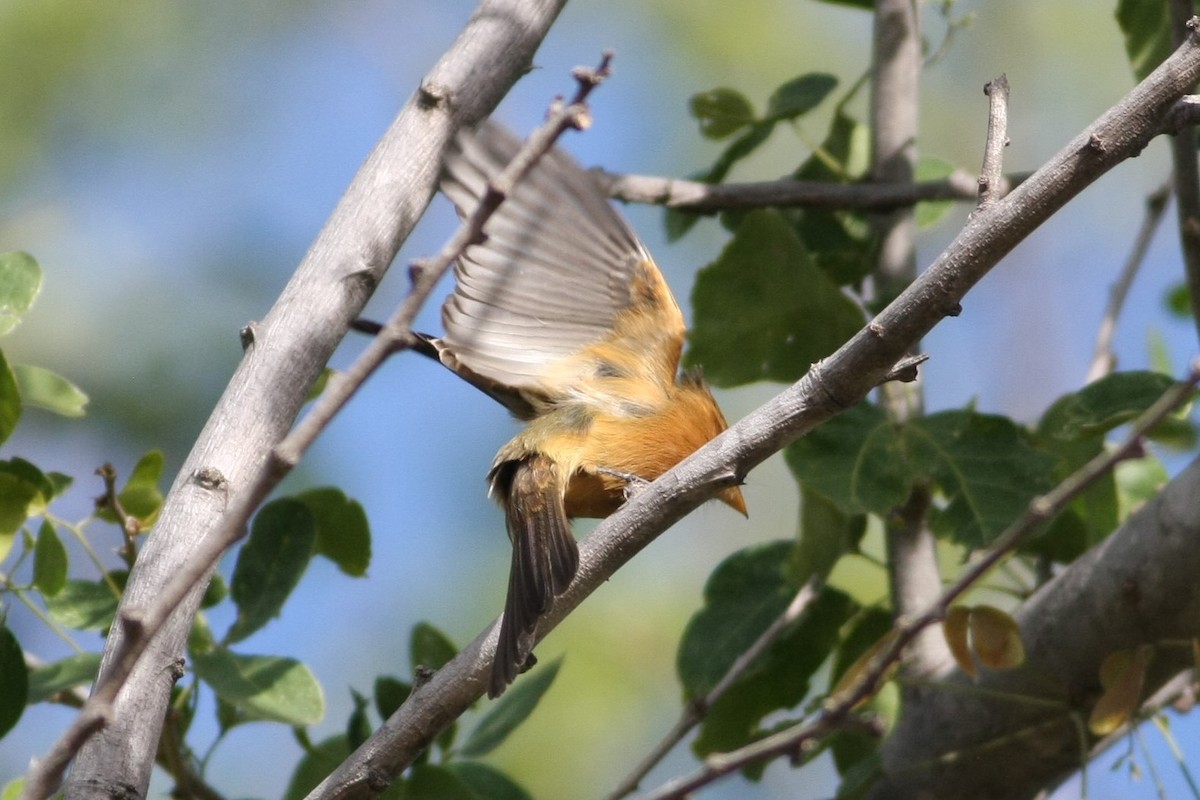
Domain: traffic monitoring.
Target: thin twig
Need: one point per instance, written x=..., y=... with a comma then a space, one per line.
x=710, y=198
x=1104, y=360
x=693, y=712
x=140, y=628
x=1040, y=511
x=130, y=525
x=990, y=175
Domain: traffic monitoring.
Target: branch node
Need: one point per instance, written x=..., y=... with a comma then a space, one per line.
x=430, y=95
x=248, y=334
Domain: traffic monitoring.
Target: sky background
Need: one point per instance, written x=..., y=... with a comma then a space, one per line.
x=169, y=164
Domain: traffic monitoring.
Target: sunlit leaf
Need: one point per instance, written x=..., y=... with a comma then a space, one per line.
x=954, y=628
x=263, y=687
x=48, y=390
x=84, y=605
x=20, y=282
x=1122, y=675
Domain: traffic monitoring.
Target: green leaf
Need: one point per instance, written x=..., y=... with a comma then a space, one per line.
x=986, y=468
x=141, y=497
x=1178, y=301
x=1147, y=28
x=763, y=310
x=358, y=726
x=856, y=459
x=931, y=213
x=1103, y=405
x=14, y=680
x=510, y=710
x=263, y=687
x=826, y=533
x=429, y=647
x=17, y=498
x=10, y=400
x=216, y=591
x=20, y=282
x=84, y=605
x=60, y=676
x=48, y=390
x=343, y=534
x=270, y=564
x=743, y=596
x=390, y=694
x=318, y=762
x=738, y=149
x=486, y=781
x=861, y=635
x=800, y=95
x=49, y=561
x=721, y=112
x=12, y=790
x=431, y=782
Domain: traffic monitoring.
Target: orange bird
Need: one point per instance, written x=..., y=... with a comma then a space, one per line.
x=562, y=316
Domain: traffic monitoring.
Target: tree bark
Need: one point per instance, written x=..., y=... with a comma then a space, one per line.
x=285, y=354
x=1012, y=733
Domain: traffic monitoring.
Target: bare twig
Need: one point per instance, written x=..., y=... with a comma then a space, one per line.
x=1041, y=510
x=710, y=198
x=990, y=175
x=693, y=712
x=130, y=525
x=1104, y=360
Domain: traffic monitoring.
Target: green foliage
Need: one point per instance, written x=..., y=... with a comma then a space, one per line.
x=985, y=466
x=85, y=605
x=60, y=676
x=14, y=679
x=343, y=534
x=270, y=564
x=513, y=708
x=1146, y=25
x=430, y=648
x=20, y=283
x=49, y=561
x=263, y=687
x=41, y=388
x=763, y=309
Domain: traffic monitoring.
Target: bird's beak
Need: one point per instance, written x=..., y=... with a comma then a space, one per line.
x=732, y=497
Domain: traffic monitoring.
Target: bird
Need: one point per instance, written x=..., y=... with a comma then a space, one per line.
x=561, y=315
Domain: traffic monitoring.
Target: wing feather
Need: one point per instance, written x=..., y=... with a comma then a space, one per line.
x=558, y=275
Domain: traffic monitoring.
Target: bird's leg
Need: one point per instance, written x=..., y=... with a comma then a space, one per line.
x=633, y=483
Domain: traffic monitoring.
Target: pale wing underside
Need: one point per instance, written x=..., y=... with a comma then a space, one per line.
x=558, y=267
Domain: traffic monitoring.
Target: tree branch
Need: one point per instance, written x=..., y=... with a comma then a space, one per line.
x=710, y=198
x=834, y=384
x=1186, y=174
x=287, y=352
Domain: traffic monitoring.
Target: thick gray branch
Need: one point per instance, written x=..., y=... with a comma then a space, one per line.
x=1012, y=733
x=287, y=351
x=831, y=386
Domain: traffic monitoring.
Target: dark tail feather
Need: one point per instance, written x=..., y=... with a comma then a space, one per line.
x=425, y=344
x=544, y=561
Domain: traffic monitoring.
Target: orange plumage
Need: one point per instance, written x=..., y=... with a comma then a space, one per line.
x=562, y=316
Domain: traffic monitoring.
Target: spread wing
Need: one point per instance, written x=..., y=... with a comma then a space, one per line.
x=562, y=292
